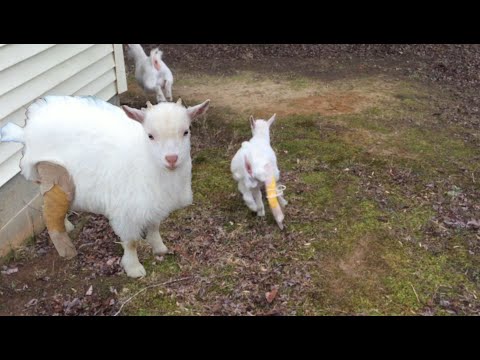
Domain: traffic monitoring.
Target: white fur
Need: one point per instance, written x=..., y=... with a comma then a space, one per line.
x=11, y=133
x=117, y=170
x=259, y=154
x=152, y=80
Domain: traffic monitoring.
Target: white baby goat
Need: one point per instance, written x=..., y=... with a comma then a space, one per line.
x=99, y=160
x=151, y=72
x=254, y=164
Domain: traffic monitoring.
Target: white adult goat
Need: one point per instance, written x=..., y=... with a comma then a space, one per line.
x=90, y=155
x=151, y=72
x=255, y=164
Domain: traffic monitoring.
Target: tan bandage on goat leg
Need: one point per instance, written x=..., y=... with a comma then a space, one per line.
x=271, y=189
x=58, y=190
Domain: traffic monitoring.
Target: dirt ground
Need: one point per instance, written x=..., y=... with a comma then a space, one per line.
x=378, y=149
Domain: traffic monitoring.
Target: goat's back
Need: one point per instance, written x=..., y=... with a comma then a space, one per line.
x=85, y=135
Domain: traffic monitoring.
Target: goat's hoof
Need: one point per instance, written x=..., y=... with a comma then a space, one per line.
x=63, y=244
x=160, y=250
x=135, y=271
x=261, y=213
x=69, y=226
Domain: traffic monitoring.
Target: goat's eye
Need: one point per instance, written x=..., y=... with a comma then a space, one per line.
x=185, y=133
x=150, y=136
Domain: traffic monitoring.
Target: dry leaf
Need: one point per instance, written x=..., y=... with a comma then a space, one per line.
x=270, y=296
x=10, y=271
x=474, y=223
x=89, y=291
x=32, y=303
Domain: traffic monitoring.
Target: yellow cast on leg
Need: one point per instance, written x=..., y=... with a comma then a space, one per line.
x=55, y=208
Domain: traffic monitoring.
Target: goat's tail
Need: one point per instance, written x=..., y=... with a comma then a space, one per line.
x=12, y=133
x=136, y=52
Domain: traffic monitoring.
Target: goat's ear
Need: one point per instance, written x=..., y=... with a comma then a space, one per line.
x=198, y=110
x=134, y=114
x=252, y=122
x=179, y=101
x=155, y=57
x=272, y=120
x=248, y=166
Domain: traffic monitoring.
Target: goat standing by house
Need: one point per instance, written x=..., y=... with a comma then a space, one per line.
x=255, y=164
x=151, y=72
x=133, y=166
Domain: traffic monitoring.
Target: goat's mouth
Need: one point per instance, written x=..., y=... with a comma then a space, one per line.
x=171, y=167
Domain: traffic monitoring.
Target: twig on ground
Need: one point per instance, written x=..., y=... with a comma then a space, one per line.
x=415, y=294
x=149, y=287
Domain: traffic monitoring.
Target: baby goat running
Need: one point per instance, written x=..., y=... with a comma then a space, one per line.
x=151, y=72
x=254, y=164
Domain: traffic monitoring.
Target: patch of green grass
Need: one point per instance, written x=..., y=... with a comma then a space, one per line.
x=372, y=119
x=412, y=220
x=416, y=275
x=156, y=304
x=300, y=83
x=167, y=268
x=212, y=182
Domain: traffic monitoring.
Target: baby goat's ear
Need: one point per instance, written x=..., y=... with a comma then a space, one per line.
x=272, y=120
x=252, y=122
x=248, y=166
x=134, y=114
x=155, y=57
x=198, y=110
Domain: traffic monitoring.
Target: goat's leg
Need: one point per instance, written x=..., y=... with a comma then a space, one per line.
x=168, y=90
x=160, y=96
x=155, y=240
x=281, y=199
x=57, y=189
x=54, y=210
x=129, y=235
x=130, y=262
x=247, y=197
x=257, y=195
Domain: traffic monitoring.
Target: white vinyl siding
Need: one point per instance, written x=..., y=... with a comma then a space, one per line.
x=30, y=71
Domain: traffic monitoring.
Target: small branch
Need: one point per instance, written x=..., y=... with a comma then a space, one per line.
x=149, y=287
x=87, y=244
x=415, y=293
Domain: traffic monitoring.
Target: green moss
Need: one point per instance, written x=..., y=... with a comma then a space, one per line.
x=372, y=119
x=322, y=187
x=300, y=83
x=167, y=267
x=155, y=304
x=417, y=271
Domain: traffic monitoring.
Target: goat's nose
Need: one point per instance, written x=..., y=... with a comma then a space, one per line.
x=171, y=159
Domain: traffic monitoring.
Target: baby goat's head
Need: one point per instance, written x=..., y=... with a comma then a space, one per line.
x=261, y=127
x=167, y=130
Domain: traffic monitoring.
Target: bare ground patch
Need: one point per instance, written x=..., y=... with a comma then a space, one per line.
x=249, y=93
